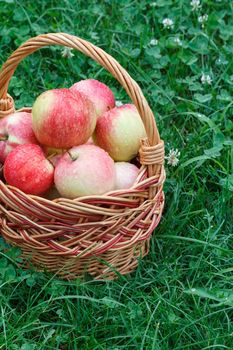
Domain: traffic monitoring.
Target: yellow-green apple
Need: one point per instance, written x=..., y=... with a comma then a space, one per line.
x=61, y=119
x=100, y=94
x=15, y=129
x=126, y=174
x=84, y=170
x=27, y=169
x=119, y=132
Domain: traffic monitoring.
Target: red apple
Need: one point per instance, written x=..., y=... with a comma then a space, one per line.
x=15, y=129
x=84, y=170
x=27, y=169
x=119, y=132
x=126, y=174
x=1, y=171
x=99, y=94
x=61, y=119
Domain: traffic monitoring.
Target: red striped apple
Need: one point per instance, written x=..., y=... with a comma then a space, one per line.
x=61, y=119
x=84, y=170
x=15, y=129
x=99, y=94
x=126, y=174
x=27, y=169
x=1, y=171
x=119, y=132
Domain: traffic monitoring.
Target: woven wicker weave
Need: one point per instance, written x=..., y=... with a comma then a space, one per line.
x=99, y=235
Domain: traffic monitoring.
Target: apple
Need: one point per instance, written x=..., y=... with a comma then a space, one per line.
x=119, y=132
x=15, y=129
x=126, y=174
x=27, y=169
x=99, y=94
x=1, y=170
x=84, y=170
x=61, y=119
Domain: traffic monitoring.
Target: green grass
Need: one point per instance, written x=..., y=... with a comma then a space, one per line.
x=181, y=295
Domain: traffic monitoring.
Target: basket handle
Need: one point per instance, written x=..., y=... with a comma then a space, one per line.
x=97, y=54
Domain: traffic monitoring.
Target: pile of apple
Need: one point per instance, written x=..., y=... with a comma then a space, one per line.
x=75, y=142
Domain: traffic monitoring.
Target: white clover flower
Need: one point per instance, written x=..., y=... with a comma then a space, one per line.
x=66, y=53
x=206, y=79
x=203, y=19
x=196, y=4
x=168, y=23
x=153, y=4
x=173, y=157
x=153, y=42
x=94, y=36
x=178, y=42
x=119, y=103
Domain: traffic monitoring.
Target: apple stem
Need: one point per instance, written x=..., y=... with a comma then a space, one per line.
x=72, y=156
x=51, y=156
x=3, y=138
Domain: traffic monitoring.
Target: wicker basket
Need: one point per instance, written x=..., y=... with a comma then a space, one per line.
x=100, y=235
